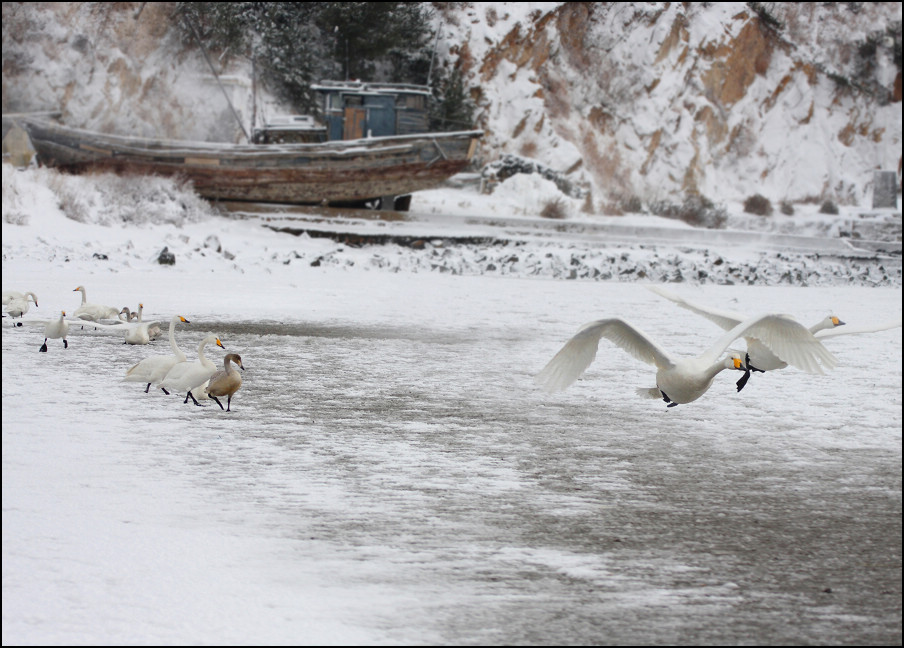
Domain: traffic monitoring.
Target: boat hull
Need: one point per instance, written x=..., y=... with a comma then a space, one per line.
x=345, y=171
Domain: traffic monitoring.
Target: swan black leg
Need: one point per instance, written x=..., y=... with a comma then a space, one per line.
x=44, y=346
x=189, y=394
x=146, y=389
x=164, y=391
x=743, y=380
x=217, y=400
x=667, y=399
x=65, y=344
x=228, y=403
x=750, y=367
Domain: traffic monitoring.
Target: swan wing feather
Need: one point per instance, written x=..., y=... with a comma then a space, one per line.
x=723, y=318
x=579, y=352
x=787, y=338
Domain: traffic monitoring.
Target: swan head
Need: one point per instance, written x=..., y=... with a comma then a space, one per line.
x=220, y=344
x=834, y=320
x=182, y=319
x=735, y=362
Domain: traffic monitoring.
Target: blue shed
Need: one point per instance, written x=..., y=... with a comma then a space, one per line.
x=353, y=109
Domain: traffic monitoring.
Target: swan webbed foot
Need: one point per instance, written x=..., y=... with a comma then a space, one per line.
x=43, y=348
x=666, y=398
x=190, y=395
x=672, y=405
x=65, y=344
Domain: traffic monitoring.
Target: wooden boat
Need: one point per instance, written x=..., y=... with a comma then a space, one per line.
x=334, y=173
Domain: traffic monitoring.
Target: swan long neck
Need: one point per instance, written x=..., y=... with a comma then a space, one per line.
x=172, y=336
x=714, y=370
x=827, y=323
x=201, y=351
x=84, y=292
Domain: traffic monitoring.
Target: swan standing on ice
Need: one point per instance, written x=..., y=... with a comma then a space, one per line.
x=55, y=330
x=16, y=304
x=186, y=376
x=153, y=328
x=93, y=312
x=227, y=380
x=759, y=357
x=155, y=368
x=139, y=334
x=683, y=380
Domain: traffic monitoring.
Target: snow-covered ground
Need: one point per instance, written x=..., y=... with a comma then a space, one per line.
x=390, y=474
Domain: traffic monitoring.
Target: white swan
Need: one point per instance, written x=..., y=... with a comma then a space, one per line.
x=140, y=333
x=683, y=380
x=186, y=376
x=155, y=368
x=759, y=357
x=226, y=381
x=16, y=304
x=55, y=330
x=93, y=312
x=9, y=295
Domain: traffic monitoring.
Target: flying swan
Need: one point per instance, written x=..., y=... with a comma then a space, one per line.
x=759, y=357
x=186, y=376
x=684, y=380
x=155, y=368
x=226, y=381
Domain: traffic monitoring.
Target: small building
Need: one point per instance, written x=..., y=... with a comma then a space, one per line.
x=354, y=109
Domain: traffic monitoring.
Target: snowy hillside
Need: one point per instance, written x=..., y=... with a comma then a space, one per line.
x=659, y=100
x=641, y=103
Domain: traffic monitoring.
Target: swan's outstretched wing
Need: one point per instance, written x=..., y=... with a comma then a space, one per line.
x=725, y=319
x=573, y=359
x=787, y=338
x=857, y=329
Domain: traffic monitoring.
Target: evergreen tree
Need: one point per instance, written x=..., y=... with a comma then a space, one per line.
x=296, y=44
x=453, y=109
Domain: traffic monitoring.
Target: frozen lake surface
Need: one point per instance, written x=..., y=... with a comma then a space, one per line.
x=389, y=474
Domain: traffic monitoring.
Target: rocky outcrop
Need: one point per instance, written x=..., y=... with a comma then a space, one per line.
x=665, y=100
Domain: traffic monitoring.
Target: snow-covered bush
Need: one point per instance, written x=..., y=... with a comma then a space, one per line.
x=103, y=199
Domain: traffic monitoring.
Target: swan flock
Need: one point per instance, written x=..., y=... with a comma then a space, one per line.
x=773, y=342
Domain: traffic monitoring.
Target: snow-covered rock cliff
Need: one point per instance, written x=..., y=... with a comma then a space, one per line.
x=637, y=102
x=659, y=100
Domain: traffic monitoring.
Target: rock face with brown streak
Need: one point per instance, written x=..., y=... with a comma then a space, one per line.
x=664, y=100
